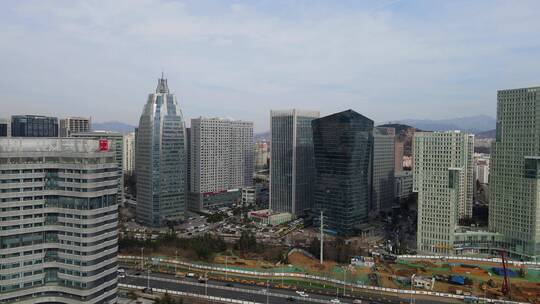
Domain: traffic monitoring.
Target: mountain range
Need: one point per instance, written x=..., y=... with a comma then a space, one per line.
x=471, y=124
x=114, y=126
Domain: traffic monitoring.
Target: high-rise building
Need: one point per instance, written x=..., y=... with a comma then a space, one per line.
x=292, y=168
x=5, y=127
x=221, y=153
x=160, y=160
x=261, y=155
x=59, y=221
x=481, y=168
x=514, y=181
x=443, y=179
x=398, y=155
x=129, y=153
x=34, y=126
x=343, y=145
x=115, y=139
x=382, y=194
x=72, y=125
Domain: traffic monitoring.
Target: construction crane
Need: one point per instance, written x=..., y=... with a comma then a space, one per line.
x=506, y=283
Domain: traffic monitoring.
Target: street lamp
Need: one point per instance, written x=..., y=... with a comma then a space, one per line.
x=176, y=264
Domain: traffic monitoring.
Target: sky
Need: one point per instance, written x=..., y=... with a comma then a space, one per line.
x=386, y=59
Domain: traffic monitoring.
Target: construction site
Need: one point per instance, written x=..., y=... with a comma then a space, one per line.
x=479, y=279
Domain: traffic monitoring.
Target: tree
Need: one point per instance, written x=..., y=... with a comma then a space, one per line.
x=247, y=241
x=167, y=299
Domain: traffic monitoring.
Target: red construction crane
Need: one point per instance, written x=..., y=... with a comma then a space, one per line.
x=506, y=284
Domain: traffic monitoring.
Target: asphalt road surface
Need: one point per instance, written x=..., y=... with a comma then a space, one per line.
x=253, y=293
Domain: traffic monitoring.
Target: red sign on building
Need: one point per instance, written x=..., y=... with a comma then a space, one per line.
x=103, y=145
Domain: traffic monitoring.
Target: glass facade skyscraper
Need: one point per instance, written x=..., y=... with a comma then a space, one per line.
x=291, y=161
x=343, y=145
x=514, y=180
x=382, y=194
x=34, y=126
x=161, y=160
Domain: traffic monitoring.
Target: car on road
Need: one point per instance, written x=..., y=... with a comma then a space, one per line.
x=357, y=301
x=229, y=285
x=302, y=294
x=335, y=301
x=291, y=299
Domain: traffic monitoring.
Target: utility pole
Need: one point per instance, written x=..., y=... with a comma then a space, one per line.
x=322, y=237
x=267, y=291
x=176, y=264
x=142, y=258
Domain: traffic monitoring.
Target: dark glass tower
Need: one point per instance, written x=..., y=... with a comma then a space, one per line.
x=34, y=126
x=343, y=145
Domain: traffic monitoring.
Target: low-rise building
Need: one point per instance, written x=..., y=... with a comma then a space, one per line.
x=269, y=217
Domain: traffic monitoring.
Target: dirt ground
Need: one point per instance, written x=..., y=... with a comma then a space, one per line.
x=301, y=260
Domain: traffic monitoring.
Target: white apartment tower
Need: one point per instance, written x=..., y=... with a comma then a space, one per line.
x=129, y=153
x=221, y=159
x=443, y=178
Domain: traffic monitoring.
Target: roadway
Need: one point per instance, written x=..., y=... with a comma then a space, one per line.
x=254, y=293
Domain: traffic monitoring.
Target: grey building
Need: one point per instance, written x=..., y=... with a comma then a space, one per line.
x=382, y=194
x=59, y=221
x=72, y=125
x=221, y=158
x=115, y=139
x=343, y=145
x=514, y=180
x=292, y=167
x=403, y=185
x=34, y=126
x=161, y=160
x=5, y=127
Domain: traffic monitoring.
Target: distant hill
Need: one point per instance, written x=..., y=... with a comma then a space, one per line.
x=472, y=124
x=486, y=134
x=114, y=126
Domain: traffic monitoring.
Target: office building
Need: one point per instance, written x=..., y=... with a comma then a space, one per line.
x=129, y=153
x=115, y=139
x=59, y=221
x=382, y=193
x=343, y=145
x=443, y=179
x=72, y=125
x=161, y=160
x=514, y=180
x=5, y=127
x=34, y=126
x=292, y=167
x=261, y=155
x=481, y=168
x=221, y=155
x=403, y=183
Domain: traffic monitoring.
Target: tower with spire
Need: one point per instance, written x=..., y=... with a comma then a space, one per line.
x=161, y=160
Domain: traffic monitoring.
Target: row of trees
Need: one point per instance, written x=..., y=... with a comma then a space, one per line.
x=204, y=247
